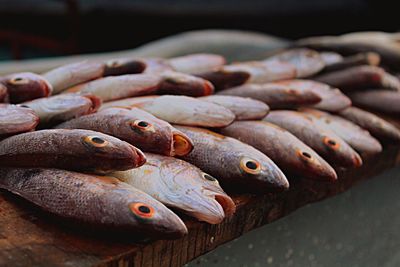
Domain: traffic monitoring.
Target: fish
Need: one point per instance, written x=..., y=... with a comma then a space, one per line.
x=79, y=150
x=332, y=99
x=264, y=71
x=380, y=100
x=274, y=95
x=15, y=120
x=3, y=94
x=360, y=77
x=100, y=201
x=378, y=127
x=330, y=58
x=136, y=127
x=325, y=142
x=129, y=85
x=69, y=75
x=66, y=76
x=59, y=108
x=237, y=165
x=244, y=108
x=197, y=63
x=307, y=62
x=285, y=149
x=383, y=44
x=25, y=86
x=182, y=110
x=357, y=137
x=367, y=58
x=118, y=87
x=180, y=185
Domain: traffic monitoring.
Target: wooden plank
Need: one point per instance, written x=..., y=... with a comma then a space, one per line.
x=31, y=237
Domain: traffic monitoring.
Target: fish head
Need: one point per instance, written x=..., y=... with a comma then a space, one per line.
x=115, y=153
x=201, y=194
x=314, y=166
x=155, y=135
x=150, y=218
x=341, y=152
x=26, y=86
x=258, y=172
x=123, y=66
x=185, y=84
x=225, y=78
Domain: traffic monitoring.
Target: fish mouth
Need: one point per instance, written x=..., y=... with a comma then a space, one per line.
x=140, y=158
x=215, y=209
x=208, y=88
x=181, y=144
x=226, y=203
x=96, y=102
x=357, y=161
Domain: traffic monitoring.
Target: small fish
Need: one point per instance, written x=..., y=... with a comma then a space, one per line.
x=124, y=86
x=381, y=43
x=136, y=127
x=66, y=76
x=332, y=99
x=355, y=136
x=367, y=58
x=307, y=62
x=118, y=87
x=60, y=108
x=274, y=95
x=378, y=127
x=237, y=165
x=330, y=57
x=380, y=100
x=3, y=94
x=25, y=86
x=197, y=63
x=325, y=142
x=264, y=71
x=244, y=108
x=179, y=184
x=181, y=110
x=100, y=201
x=360, y=77
x=80, y=150
x=15, y=119
x=285, y=149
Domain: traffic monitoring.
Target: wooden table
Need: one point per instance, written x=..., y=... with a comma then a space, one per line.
x=31, y=237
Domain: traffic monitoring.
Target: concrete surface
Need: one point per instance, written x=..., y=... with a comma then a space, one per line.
x=357, y=228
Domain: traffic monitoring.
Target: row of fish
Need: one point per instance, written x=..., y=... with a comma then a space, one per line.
x=132, y=135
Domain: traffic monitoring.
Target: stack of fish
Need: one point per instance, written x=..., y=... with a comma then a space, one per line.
x=117, y=144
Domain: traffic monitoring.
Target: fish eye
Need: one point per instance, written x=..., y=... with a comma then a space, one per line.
x=18, y=80
x=250, y=166
x=331, y=143
x=209, y=177
x=304, y=155
x=95, y=141
x=142, y=125
x=142, y=210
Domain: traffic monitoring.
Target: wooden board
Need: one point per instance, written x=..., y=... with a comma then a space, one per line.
x=31, y=237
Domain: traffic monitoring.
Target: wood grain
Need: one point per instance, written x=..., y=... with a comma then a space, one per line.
x=31, y=237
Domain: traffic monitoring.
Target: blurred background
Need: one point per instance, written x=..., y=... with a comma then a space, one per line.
x=37, y=28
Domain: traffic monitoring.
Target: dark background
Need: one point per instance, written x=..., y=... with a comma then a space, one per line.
x=34, y=28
